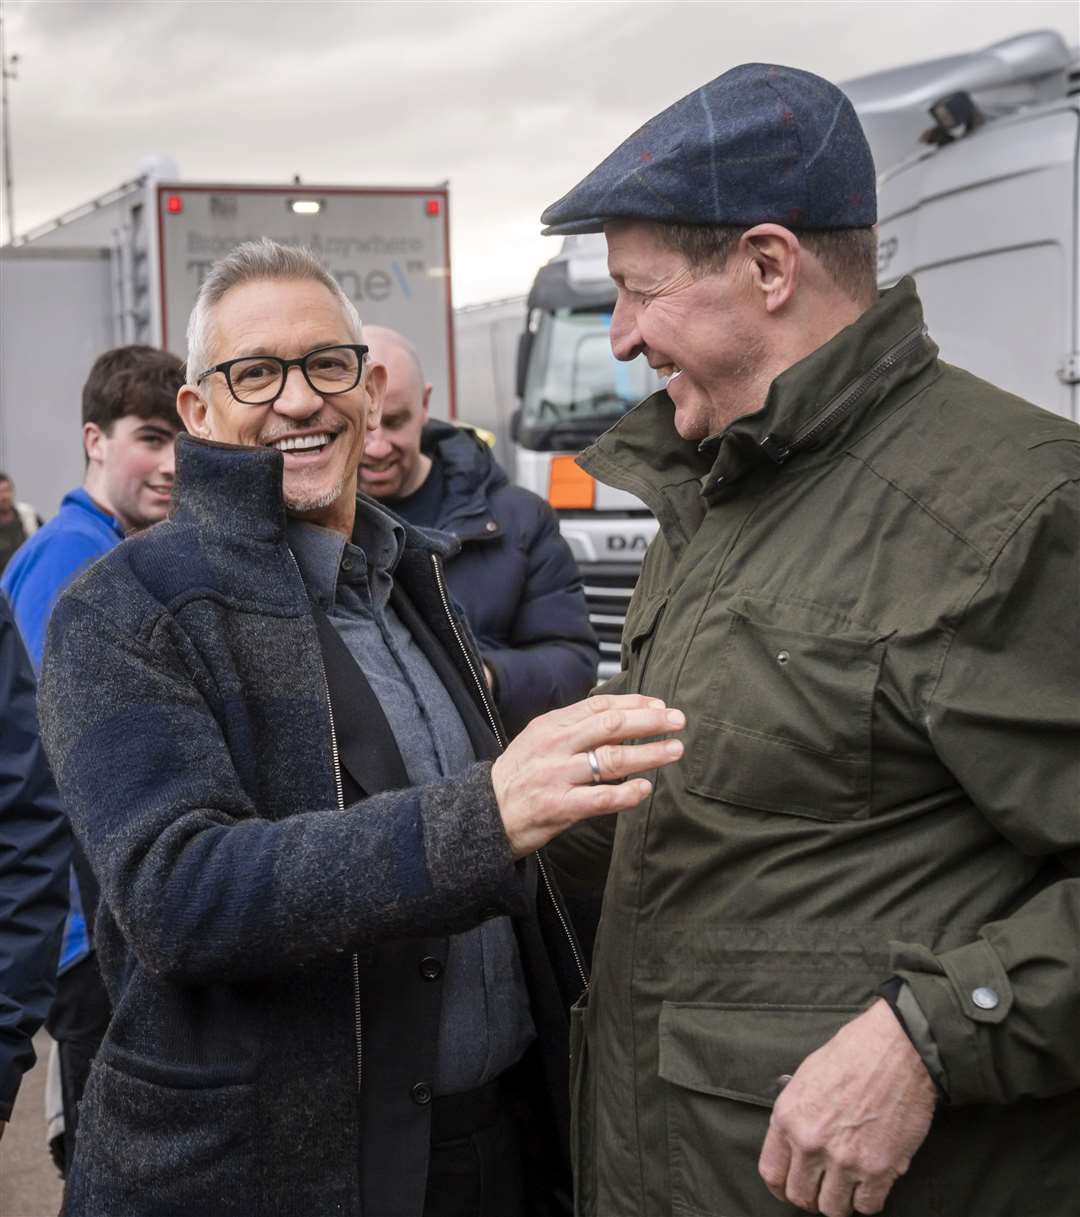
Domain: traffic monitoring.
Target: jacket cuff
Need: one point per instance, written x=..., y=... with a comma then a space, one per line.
x=482, y=853
x=962, y=994
x=911, y=1018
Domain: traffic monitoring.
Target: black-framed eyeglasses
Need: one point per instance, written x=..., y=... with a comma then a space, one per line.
x=259, y=380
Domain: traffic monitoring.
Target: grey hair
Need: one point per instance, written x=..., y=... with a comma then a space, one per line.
x=248, y=263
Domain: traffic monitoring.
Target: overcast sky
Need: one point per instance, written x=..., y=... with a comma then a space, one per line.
x=511, y=102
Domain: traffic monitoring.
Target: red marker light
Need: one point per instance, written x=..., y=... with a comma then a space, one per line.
x=433, y=207
x=174, y=205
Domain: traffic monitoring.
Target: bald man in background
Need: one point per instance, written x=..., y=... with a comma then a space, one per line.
x=513, y=574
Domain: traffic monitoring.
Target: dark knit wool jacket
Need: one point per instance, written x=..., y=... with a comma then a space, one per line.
x=186, y=712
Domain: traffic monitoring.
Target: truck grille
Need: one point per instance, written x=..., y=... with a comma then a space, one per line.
x=608, y=588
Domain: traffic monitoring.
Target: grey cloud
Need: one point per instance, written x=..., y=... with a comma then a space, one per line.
x=512, y=102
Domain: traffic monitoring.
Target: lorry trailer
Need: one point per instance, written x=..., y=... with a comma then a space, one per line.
x=126, y=267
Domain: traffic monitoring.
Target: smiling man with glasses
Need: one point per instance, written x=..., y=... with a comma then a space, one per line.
x=340, y=967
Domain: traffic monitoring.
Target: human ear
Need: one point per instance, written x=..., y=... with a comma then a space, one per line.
x=774, y=253
x=425, y=402
x=94, y=442
x=375, y=386
x=194, y=411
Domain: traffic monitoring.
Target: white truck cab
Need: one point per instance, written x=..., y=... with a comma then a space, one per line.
x=572, y=389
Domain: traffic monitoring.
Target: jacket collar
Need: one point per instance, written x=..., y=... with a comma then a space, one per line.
x=234, y=490
x=229, y=489
x=470, y=475
x=818, y=405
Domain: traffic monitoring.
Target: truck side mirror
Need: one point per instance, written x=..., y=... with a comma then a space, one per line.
x=515, y=425
x=524, y=350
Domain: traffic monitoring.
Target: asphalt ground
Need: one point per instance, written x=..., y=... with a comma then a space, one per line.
x=29, y=1184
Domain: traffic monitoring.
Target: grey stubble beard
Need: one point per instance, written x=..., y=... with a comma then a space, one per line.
x=300, y=504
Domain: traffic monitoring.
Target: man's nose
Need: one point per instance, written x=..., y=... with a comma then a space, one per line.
x=298, y=399
x=625, y=340
x=377, y=446
x=167, y=464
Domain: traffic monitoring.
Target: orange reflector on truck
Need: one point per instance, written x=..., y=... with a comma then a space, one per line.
x=569, y=486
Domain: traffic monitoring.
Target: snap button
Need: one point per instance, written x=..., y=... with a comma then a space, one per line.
x=491, y=526
x=430, y=968
x=782, y=657
x=421, y=1094
x=985, y=998
x=346, y=563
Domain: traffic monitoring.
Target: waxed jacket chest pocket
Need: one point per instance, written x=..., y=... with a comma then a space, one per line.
x=639, y=631
x=788, y=717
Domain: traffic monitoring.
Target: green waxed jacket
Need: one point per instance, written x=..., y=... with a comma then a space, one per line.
x=866, y=597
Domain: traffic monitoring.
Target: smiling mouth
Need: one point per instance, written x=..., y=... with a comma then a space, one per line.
x=316, y=442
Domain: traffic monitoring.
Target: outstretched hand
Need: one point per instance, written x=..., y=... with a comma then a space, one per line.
x=846, y=1126
x=545, y=782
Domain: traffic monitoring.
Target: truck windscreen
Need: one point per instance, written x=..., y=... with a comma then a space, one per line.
x=575, y=388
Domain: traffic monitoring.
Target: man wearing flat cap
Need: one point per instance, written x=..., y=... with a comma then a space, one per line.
x=839, y=961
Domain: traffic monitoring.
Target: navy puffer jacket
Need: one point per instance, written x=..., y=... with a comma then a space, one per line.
x=35, y=851
x=515, y=579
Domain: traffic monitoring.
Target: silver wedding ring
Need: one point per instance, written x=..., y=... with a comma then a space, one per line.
x=594, y=765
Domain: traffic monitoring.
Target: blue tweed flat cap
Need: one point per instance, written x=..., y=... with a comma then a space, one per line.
x=762, y=143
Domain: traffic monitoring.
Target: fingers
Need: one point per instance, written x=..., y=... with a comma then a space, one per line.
x=804, y=1181
x=613, y=726
x=584, y=802
x=836, y=1196
x=774, y=1162
x=871, y=1197
x=618, y=761
x=580, y=711
x=812, y=1181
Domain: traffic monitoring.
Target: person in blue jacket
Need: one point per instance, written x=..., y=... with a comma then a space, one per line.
x=35, y=852
x=129, y=424
x=513, y=575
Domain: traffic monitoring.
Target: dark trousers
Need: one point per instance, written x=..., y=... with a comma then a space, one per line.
x=77, y=1021
x=475, y=1168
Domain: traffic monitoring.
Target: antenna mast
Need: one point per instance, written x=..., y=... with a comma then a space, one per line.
x=8, y=71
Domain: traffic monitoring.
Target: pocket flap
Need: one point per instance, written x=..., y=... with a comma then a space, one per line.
x=640, y=622
x=739, y=1051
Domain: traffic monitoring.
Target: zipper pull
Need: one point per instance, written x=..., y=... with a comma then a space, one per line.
x=776, y=451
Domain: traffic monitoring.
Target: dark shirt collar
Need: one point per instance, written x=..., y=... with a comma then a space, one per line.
x=327, y=561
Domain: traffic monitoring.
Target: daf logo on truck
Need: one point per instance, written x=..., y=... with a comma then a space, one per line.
x=634, y=544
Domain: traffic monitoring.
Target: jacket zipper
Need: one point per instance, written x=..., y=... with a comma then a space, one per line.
x=481, y=688
x=849, y=400
x=358, y=1020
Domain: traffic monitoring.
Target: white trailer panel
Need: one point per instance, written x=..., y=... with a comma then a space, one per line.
x=56, y=317
x=388, y=248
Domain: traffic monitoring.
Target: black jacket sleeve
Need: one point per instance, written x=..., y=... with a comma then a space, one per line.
x=552, y=655
x=35, y=854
